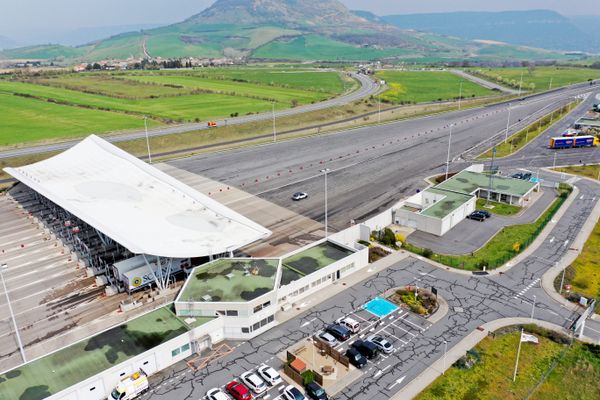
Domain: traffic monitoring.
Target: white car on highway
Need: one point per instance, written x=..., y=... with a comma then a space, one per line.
x=299, y=196
x=269, y=374
x=217, y=394
x=254, y=382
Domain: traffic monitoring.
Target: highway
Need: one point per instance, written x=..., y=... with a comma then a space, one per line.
x=367, y=88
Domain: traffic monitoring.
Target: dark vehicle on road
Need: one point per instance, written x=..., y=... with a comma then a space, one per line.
x=476, y=216
x=339, y=332
x=356, y=358
x=316, y=392
x=366, y=348
x=486, y=214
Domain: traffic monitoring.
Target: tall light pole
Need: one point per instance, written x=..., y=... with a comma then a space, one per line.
x=325, y=171
x=12, y=314
x=274, y=128
x=533, y=308
x=507, y=125
x=147, y=139
x=550, y=86
x=521, y=83
x=379, y=108
x=554, y=162
x=460, y=94
x=448, y=158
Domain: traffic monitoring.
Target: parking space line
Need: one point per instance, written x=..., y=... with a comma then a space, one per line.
x=402, y=329
x=413, y=324
x=392, y=335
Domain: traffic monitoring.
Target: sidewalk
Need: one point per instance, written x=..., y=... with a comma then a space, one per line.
x=417, y=385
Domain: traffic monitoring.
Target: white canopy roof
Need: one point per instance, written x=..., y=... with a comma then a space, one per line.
x=135, y=204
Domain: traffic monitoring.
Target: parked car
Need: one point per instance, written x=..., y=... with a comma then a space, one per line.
x=315, y=391
x=518, y=175
x=253, y=381
x=476, y=216
x=339, y=332
x=328, y=338
x=527, y=176
x=486, y=214
x=382, y=344
x=217, y=394
x=351, y=324
x=356, y=359
x=366, y=348
x=299, y=196
x=269, y=374
x=239, y=391
x=292, y=393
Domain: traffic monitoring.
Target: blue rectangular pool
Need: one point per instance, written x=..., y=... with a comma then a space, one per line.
x=380, y=307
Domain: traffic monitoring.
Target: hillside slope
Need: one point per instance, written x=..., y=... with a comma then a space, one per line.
x=281, y=30
x=537, y=28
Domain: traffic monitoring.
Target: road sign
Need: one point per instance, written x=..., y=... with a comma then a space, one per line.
x=434, y=291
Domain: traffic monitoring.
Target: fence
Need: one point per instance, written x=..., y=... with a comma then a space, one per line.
x=475, y=263
x=297, y=377
x=330, y=351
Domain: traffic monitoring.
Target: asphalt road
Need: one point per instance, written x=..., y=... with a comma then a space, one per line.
x=367, y=88
x=473, y=300
x=370, y=168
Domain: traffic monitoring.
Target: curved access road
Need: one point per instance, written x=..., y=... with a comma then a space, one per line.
x=367, y=88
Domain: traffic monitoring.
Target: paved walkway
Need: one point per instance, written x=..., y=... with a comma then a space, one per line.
x=484, y=82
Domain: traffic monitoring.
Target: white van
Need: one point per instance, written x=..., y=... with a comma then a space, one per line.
x=351, y=324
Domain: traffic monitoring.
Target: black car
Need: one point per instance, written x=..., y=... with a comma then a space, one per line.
x=527, y=176
x=339, y=332
x=476, y=216
x=356, y=359
x=484, y=213
x=366, y=348
x=315, y=392
x=518, y=175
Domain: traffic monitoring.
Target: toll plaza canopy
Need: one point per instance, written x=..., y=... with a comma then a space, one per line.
x=137, y=205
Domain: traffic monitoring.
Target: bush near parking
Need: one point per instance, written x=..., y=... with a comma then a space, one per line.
x=423, y=304
x=501, y=248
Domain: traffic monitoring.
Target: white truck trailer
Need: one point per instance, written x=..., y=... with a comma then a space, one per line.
x=135, y=273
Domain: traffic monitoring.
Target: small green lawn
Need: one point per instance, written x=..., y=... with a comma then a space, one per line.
x=526, y=135
x=589, y=171
x=575, y=377
x=498, y=208
x=505, y=245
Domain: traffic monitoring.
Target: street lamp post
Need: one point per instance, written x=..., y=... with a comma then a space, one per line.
x=12, y=314
x=448, y=158
x=147, y=139
x=325, y=171
x=507, y=124
x=460, y=94
x=533, y=308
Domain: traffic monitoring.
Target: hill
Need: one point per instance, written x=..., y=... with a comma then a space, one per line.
x=281, y=30
x=537, y=28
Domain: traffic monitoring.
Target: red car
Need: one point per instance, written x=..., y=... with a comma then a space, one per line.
x=239, y=391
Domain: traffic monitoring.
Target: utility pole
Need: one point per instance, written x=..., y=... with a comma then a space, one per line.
x=533, y=308
x=507, y=125
x=518, y=354
x=379, y=108
x=554, y=163
x=550, y=86
x=489, y=193
x=449, y=144
x=562, y=280
x=147, y=140
x=521, y=83
x=325, y=172
x=445, y=351
x=12, y=314
x=460, y=94
x=274, y=127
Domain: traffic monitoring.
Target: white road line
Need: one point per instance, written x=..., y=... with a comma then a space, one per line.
x=358, y=316
x=592, y=329
x=402, y=329
x=413, y=324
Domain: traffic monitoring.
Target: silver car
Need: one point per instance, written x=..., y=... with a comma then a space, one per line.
x=328, y=338
x=382, y=344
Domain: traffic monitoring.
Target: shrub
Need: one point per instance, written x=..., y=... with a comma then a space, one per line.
x=364, y=243
x=427, y=253
x=389, y=239
x=308, y=376
x=400, y=237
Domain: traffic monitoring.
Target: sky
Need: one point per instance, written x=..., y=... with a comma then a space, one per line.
x=36, y=20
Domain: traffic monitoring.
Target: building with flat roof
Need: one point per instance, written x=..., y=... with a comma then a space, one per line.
x=438, y=209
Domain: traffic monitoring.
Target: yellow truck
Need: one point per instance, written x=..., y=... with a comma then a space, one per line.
x=130, y=387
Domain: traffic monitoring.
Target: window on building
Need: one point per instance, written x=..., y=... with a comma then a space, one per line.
x=256, y=326
x=185, y=348
x=232, y=313
x=245, y=330
x=258, y=308
x=267, y=304
x=175, y=352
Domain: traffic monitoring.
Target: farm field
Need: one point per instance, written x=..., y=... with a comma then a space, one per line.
x=425, y=86
x=25, y=120
x=106, y=102
x=538, y=78
x=574, y=377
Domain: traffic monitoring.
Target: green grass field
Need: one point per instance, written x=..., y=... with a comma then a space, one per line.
x=24, y=120
x=106, y=102
x=575, y=377
x=314, y=47
x=498, y=208
x=425, y=86
x=539, y=78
